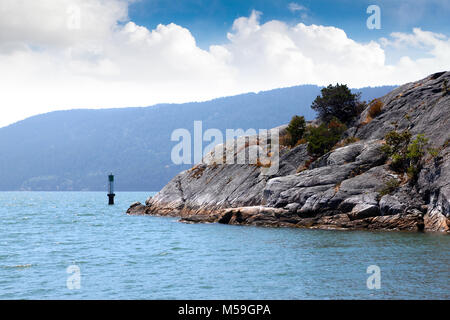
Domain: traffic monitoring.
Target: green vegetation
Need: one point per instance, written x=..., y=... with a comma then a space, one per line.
x=296, y=129
x=416, y=151
x=390, y=186
x=338, y=102
x=321, y=139
x=396, y=148
x=433, y=152
x=405, y=155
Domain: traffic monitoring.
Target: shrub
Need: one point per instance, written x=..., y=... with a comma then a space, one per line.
x=296, y=129
x=396, y=148
x=416, y=151
x=317, y=139
x=406, y=155
x=360, y=107
x=350, y=140
x=398, y=161
x=397, y=145
x=322, y=138
x=337, y=101
x=433, y=152
x=375, y=108
x=390, y=186
x=301, y=141
x=285, y=140
x=413, y=172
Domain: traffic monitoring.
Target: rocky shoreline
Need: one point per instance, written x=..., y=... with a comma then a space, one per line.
x=343, y=189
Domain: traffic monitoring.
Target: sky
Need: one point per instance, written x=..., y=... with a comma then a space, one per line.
x=65, y=54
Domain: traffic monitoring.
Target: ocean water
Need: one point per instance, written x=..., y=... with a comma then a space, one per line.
x=72, y=245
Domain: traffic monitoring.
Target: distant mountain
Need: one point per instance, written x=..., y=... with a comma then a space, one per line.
x=76, y=149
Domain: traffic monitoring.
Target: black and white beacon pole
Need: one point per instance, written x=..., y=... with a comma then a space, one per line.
x=111, y=189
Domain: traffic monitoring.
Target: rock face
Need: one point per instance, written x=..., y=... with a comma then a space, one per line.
x=340, y=190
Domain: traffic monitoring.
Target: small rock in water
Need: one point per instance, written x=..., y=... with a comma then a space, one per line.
x=136, y=208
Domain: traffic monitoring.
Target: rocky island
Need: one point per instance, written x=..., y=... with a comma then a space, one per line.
x=355, y=185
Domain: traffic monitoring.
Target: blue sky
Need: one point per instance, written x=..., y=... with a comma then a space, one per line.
x=124, y=53
x=210, y=20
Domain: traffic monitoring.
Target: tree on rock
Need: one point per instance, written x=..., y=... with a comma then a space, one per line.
x=296, y=129
x=322, y=138
x=337, y=101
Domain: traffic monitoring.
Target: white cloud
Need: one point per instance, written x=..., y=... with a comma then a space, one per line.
x=298, y=8
x=46, y=64
x=293, y=7
x=417, y=39
x=53, y=22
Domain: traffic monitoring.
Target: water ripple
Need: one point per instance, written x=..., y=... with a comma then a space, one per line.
x=47, y=237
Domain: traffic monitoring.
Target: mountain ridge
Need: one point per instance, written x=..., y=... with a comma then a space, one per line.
x=76, y=149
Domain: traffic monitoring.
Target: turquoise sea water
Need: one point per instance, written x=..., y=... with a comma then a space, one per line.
x=132, y=257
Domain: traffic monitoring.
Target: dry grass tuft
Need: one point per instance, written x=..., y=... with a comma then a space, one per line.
x=375, y=108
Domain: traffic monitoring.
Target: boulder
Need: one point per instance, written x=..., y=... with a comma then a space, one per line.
x=136, y=209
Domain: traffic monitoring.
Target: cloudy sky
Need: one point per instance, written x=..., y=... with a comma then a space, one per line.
x=65, y=54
